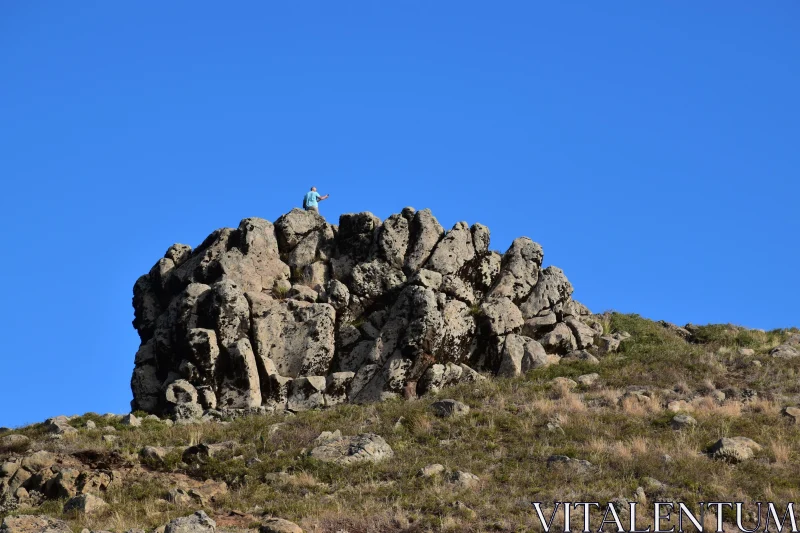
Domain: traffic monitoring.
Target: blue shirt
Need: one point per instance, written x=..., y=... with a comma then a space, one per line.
x=311, y=198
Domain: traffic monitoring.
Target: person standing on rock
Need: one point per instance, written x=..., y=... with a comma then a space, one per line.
x=311, y=200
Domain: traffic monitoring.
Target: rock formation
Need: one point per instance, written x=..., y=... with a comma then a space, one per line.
x=304, y=314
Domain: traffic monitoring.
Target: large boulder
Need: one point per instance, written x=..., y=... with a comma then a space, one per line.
x=304, y=314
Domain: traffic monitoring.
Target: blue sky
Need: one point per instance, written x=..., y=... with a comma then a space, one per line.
x=652, y=148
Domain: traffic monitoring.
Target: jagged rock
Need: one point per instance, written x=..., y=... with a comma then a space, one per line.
x=500, y=316
x=734, y=449
x=521, y=354
x=559, y=341
x=199, y=522
x=552, y=291
x=424, y=233
x=449, y=408
x=306, y=393
x=279, y=525
x=299, y=340
x=392, y=241
x=519, y=272
x=337, y=387
x=373, y=279
x=180, y=392
x=583, y=334
x=537, y=326
x=607, y=344
x=38, y=461
x=130, y=420
x=580, y=355
x=33, y=524
x=241, y=388
x=59, y=425
x=292, y=227
x=427, y=278
x=303, y=293
x=588, y=380
x=453, y=251
x=347, y=450
x=86, y=504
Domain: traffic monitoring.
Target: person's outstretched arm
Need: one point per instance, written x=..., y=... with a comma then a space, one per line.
x=323, y=197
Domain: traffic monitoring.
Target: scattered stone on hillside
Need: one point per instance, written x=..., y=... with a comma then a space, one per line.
x=679, y=405
x=464, y=480
x=636, y=395
x=588, y=380
x=33, y=524
x=347, y=450
x=14, y=442
x=793, y=413
x=563, y=382
x=582, y=356
x=784, y=351
x=109, y=439
x=199, y=522
x=682, y=421
x=521, y=354
x=200, y=452
x=734, y=449
x=717, y=395
x=86, y=504
x=607, y=344
x=130, y=420
x=156, y=453
x=580, y=465
x=59, y=425
x=652, y=485
x=431, y=470
x=683, y=333
x=279, y=525
x=449, y=408
x=793, y=340
x=746, y=352
x=38, y=461
x=90, y=424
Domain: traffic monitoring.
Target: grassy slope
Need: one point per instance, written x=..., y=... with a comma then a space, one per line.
x=504, y=440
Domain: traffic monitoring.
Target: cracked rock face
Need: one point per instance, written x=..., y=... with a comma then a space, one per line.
x=303, y=314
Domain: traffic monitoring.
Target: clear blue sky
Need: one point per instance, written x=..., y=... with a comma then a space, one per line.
x=652, y=148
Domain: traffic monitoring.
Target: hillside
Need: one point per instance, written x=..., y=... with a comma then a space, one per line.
x=639, y=424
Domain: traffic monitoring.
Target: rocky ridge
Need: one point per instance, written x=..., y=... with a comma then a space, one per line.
x=304, y=314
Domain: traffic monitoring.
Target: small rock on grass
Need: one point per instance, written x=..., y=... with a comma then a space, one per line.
x=449, y=408
x=279, y=525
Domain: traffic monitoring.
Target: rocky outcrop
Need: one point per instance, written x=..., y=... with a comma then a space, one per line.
x=303, y=314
